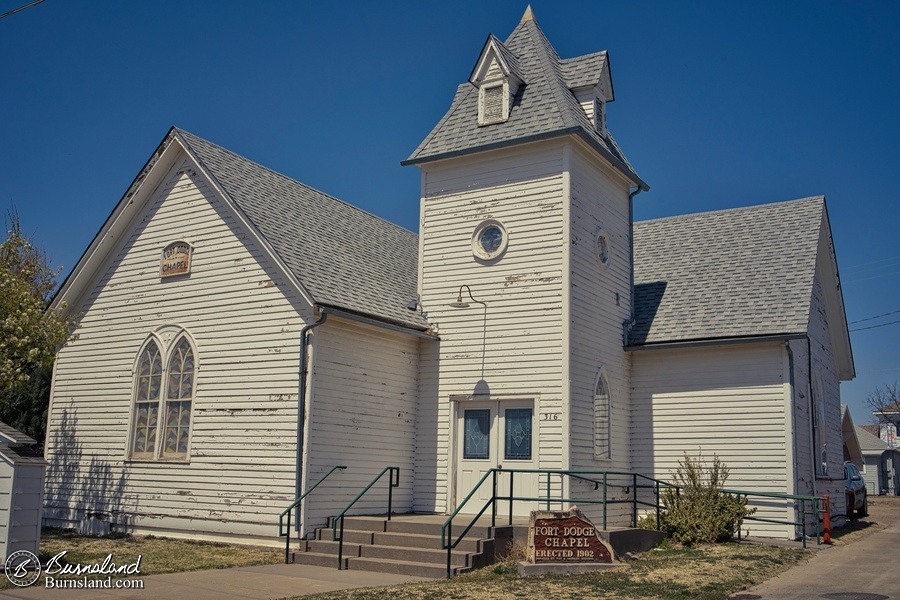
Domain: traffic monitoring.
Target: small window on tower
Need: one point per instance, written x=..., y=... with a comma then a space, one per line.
x=493, y=104
x=600, y=116
x=604, y=250
x=489, y=240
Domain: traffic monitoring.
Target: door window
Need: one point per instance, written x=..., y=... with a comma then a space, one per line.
x=518, y=434
x=477, y=434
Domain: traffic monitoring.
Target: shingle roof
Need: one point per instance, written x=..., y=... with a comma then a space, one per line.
x=543, y=108
x=873, y=429
x=583, y=71
x=731, y=273
x=11, y=435
x=508, y=57
x=21, y=455
x=869, y=443
x=343, y=256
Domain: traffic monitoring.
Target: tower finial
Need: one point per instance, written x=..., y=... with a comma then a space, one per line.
x=528, y=16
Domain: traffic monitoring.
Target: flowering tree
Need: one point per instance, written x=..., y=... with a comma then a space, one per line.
x=30, y=334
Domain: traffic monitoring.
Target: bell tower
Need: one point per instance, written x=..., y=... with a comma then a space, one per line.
x=525, y=271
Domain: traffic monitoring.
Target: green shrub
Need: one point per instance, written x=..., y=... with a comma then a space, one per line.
x=697, y=511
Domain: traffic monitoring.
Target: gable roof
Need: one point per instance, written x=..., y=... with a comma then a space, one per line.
x=341, y=256
x=741, y=272
x=11, y=435
x=868, y=443
x=585, y=71
x=363, y=264
x=544, y=107
x=508, y=60
x=852, y=450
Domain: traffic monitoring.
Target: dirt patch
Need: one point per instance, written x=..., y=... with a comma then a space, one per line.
x=708, y=572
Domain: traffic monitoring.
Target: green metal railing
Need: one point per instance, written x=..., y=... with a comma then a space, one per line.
x=625, y=480
x=810, y=506
x=640, y=491
x=393, y=481
x=286, y=531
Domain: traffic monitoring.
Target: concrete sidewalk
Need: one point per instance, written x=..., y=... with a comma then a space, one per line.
x=865, y=566
x=864, y=569
x=245, y=583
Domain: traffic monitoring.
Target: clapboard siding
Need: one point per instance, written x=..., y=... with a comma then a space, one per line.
x=362, y=414
x=740, y=418
x=520, y=338
x=6, y=490
x=824, y=366
x=599, y=304
x=244, y=321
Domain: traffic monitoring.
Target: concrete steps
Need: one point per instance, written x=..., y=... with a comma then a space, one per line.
x=407, y=545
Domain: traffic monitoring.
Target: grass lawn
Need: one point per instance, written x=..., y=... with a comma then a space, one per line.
x=707, y=573
x=710, y=572
x=158, y=555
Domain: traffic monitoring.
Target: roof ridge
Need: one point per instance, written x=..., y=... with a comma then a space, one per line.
x=455, y=105
x=751, y=207
x=549, y=66
x=286, y=177
x=583, y=57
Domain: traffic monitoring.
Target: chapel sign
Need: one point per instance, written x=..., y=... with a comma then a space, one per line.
x=565, y=537
x=175, y=259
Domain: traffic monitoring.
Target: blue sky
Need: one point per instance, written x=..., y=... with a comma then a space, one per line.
x=718, y=104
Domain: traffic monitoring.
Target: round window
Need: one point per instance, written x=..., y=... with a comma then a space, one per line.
x=489, y=240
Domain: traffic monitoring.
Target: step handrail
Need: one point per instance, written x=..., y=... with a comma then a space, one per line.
x=282, y=532
x=394, y=481
x=638, y=482
x=809, y=506
x=448, y=544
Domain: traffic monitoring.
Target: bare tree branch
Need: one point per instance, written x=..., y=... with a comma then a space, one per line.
x=884, y=401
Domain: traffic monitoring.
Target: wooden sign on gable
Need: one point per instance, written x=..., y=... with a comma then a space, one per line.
x=175, y=259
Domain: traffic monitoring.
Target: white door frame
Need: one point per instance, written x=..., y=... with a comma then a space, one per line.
x=497, y=405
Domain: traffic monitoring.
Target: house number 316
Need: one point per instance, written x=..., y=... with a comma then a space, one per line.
x=551, y=416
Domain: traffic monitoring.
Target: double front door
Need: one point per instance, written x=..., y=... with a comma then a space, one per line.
x=499, y=435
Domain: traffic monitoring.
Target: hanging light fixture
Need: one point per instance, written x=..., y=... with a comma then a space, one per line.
x=460, y=303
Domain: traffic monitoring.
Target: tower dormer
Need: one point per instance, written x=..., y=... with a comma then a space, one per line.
x=497, y=77
x=589, y=80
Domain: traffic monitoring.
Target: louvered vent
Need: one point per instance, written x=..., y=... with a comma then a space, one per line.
x=493, y=104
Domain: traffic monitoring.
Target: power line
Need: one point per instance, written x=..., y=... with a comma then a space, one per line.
x=873, y=277
x=875, y=326
x=872, y=262
x=20, y=9
x=893, y=312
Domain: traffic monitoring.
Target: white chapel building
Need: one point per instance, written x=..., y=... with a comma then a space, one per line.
x=241, y=334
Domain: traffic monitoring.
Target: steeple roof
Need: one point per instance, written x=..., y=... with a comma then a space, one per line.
x=544, y=107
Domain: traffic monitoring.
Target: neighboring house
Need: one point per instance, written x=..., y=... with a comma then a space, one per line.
x=852, y=451
x=22, y=472
x=243, y=333
x=888, y=418
x=881, y=470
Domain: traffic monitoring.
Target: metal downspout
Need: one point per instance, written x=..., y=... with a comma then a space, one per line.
x=812, y=407
x=631, y=321
x=795, y=469
x=301, y=411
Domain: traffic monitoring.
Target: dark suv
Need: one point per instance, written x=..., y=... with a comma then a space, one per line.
x=855, y=489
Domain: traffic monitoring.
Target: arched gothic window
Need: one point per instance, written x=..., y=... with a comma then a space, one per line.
x=819, y=429
x=602, y=410
x=162, y=401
